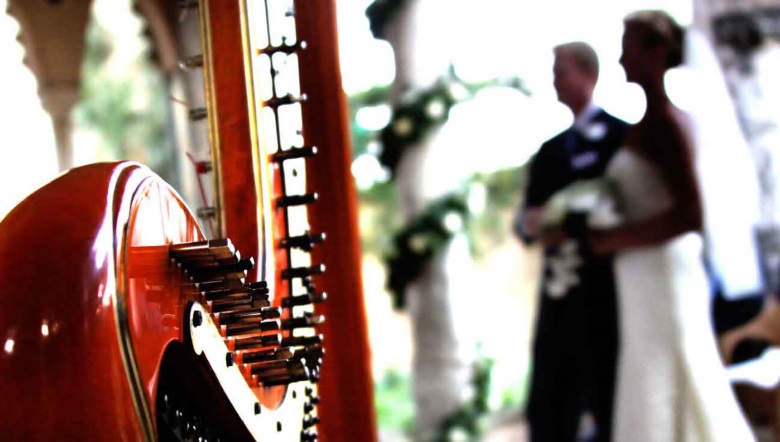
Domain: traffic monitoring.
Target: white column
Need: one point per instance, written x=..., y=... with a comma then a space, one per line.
x=438, y=302
x=58, y=101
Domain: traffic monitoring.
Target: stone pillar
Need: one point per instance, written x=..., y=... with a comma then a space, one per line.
x=438, y=302
x=58, y=101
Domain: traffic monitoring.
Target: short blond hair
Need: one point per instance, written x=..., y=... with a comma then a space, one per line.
x=583, y=54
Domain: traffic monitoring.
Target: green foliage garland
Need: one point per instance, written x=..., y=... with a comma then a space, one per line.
x=425, y=236
x=421, y=111
x=380, y=12
x=467, y=422
x=415, y=116
x=420, y=240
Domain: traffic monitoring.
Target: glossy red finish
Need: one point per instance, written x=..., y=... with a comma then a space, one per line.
x=347, y=406
x=155, y=296
x=89, y=301
x=62, y=375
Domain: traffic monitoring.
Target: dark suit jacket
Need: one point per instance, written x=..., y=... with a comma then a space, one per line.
x=571, y=156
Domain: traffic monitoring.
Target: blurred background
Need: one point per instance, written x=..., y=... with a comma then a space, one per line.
x=499, y=51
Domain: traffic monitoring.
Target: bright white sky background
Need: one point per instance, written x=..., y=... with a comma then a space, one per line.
x=500, y=38
x=504, y=38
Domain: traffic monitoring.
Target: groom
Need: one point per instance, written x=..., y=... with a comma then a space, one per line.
x=575, y=343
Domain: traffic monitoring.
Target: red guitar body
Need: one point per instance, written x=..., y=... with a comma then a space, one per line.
x=86, y=323
x=67, y=322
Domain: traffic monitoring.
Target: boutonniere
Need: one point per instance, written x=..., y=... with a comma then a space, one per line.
x=595, y=131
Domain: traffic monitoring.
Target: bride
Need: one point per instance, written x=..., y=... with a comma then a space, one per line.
x=672, y=385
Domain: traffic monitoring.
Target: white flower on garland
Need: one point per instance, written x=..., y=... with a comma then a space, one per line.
x=452, y=222
x=458, y=91
x=403, y=126
x=476, y=197
x=435, y=109
x=418, y=243
x=458, y=434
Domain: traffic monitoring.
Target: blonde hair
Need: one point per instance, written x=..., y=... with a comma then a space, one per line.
x=582, y=53
x=659, y=29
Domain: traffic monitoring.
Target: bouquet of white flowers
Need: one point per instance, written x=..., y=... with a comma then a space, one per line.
x=596, y=199
x=590, y=204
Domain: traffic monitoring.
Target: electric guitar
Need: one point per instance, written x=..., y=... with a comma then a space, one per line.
x=121, y=320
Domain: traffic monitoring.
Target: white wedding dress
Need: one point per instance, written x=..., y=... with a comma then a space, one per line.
x=671, y=384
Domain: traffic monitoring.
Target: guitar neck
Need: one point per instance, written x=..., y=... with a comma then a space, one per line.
x=231, y=126
x=274, y=103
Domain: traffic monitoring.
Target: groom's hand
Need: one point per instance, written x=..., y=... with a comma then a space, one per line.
x=530, y=222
